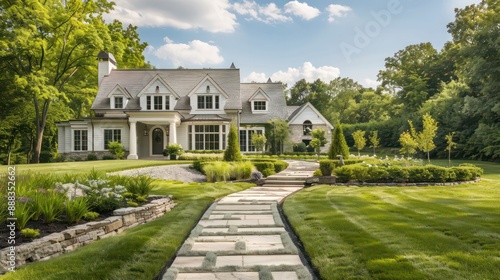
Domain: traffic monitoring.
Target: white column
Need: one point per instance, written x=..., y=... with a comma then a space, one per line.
x=133, y=141
x=173, y=133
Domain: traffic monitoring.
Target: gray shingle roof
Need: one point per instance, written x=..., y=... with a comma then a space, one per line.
x=294, y=110
x=277, y=106
x=182, y=81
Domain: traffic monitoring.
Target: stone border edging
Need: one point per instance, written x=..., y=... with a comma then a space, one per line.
x=56, y=244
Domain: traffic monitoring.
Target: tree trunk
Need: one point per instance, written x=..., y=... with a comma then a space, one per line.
x=40, y=127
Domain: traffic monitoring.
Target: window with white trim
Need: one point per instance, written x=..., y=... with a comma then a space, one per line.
x=260, y=105
x=157, y=102
x=208, y=102
x=80, y=140
x=246, y=138
x=118, y=102
x=112, y=135
x=207, y=137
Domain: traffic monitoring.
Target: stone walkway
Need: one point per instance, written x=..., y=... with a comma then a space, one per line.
x=242, y=235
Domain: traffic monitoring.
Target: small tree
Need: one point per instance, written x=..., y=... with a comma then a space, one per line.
x=450, y=145
x=408, y=144
x=232, y=152
x=359, y=140
x=374, y=140
x=279, y=131
x=116, y=148
x=338, y=145
x=259, y=141
x=318, y=140
x=425, y=139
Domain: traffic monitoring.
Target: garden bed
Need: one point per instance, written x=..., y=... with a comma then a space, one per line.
x=68, y=239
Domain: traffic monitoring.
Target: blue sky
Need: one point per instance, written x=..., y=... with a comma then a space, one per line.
x=286, y=40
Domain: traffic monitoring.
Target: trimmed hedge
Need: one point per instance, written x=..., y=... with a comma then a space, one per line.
x=268, y=168
x=326, y=167
x=411, y=174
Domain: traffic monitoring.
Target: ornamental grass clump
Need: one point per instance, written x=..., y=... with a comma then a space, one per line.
x=75, y=209
x=23, y=212
x=218, y=171
x=241, y=170
x=52, y=206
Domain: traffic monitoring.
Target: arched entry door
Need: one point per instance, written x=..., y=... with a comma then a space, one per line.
x=157, y=141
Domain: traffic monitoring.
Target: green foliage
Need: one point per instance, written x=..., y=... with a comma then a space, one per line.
x=374, y=140
x=75, y=209
x=90, y=216
x=23, y=212
x=91, y=156
x=299, y=147
x=200, y=156
x=30, y=233
x=217, y=171
x=318, y=172
x=359, y=140
x=450, y=145
x=52, y=206
x=140, y=185
x=265, y=167
x=241, y=170
x=259, y=141
x=116, y=148
x=174, y=149
x=232, y=152
x=326, y=167
x=338, y=145
x=318, y=140
x=279, y=165
x=279, y=133
x=425, y=138
x=408, y=144
x=132, y=204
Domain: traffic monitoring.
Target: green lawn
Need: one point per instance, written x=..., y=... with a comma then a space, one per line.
x=80, y=167
x=402, y=232
x=140, y=252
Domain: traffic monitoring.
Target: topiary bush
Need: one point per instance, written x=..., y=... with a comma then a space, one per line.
x=326, y=166
x=232, y=152
x=280, y=165
x=264, y=165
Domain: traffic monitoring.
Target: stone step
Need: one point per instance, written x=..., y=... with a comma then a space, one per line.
x=284, y=182
x=276, y=275
x=288, y=178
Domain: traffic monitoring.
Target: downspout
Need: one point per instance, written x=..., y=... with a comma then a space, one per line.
x=92, y=124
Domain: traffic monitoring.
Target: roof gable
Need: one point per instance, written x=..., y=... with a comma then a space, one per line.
x=208, y=83
x=161, y=84
x=303, y=108
x=119, y=90
x=260, y=94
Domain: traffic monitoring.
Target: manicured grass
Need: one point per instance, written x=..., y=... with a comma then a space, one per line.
x=85, y=166
x=140, y=252
x=401, y=232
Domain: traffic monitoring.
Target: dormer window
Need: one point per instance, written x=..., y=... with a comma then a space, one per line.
x=260, y=105
x=208, y=102
x=118, y=102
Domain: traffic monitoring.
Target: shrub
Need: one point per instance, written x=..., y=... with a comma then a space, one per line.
x=467, y=173
x=398, y=174
x=217, y=171
x=268, y=172
x=344, y=174
x=241, y=170
x=91, y=156
x=173, y=149
x=108, y=157
x=232, y=152
x=132, y=204
x=299, y=147
x=338, y=145
x=75, y=209
x=280, y=165
x=202, y=157
x=326, y=167
x=116, y=148
x=439, y=174
x=360, y=172
x=419, y=174
x=30, y=233
x=90, y=216
x=261, y=166
x=318, y=173
x=377, y=174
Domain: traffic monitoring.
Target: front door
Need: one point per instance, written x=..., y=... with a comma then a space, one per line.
x=157, y=139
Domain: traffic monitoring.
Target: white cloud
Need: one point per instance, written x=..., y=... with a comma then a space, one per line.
x=302, y=10
x=195, y=53
x=335, y=11
x=212, y=16
x=307, y=71
x=371, y=83
x=267, y=14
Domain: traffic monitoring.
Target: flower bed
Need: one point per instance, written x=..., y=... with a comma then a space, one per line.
x=71, y=238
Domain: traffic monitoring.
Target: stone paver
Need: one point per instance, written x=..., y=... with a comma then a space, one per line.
x=244, y=232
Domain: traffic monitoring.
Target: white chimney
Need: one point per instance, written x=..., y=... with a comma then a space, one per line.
x=107, y=63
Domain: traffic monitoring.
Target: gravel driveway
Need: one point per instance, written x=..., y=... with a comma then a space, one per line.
x=180, y=172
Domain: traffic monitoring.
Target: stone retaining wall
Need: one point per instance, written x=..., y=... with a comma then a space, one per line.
x=68, y=240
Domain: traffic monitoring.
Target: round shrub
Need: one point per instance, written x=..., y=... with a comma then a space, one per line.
x=318, y=173
x=261, y=166
x=326, y=167
x=398, y=174
x=280, y=165
x=344, y=174
x=268, y=172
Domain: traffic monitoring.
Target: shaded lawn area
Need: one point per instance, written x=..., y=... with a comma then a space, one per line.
x=140, y=252
x=79, y=167
x=401, y=232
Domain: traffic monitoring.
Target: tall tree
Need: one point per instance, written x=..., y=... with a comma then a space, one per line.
x=232, y=152
x=338, y=145
x=408, y=144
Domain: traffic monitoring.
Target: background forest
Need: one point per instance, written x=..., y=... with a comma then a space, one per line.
x=49, y=73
